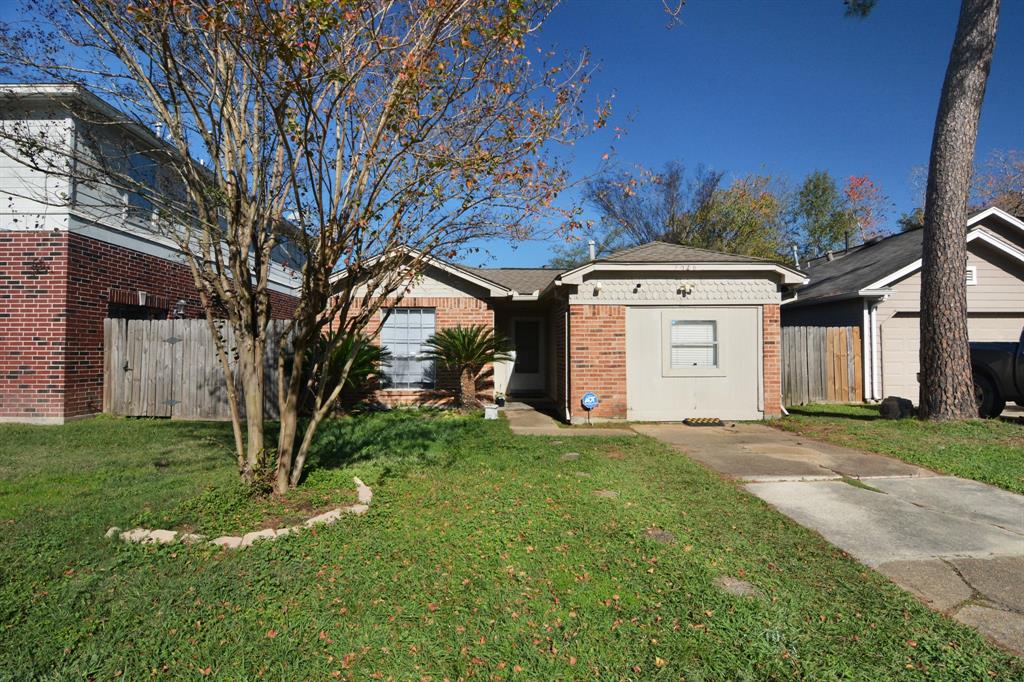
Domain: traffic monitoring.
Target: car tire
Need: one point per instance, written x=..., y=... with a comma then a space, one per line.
x=990, y=405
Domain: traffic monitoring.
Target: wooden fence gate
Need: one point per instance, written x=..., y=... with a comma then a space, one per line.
x=170, y=368
x=821, y=364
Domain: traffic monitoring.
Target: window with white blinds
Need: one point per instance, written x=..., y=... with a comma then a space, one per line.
x=694, y=344
x=404, y=333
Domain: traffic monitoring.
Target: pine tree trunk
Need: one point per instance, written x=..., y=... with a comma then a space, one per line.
x=946, y=389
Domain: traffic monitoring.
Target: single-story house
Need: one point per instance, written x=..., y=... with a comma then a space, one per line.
x=877, y=286
x=67, y=261
x=658, y=332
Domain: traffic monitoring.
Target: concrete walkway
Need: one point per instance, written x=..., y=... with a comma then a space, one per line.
x=526, y=420
x=958, y=545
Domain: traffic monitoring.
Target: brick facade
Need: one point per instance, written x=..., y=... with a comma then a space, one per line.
x=772, y=360
x=33, y=329
x=55, y=290
x=450, y=312
x=597, y=359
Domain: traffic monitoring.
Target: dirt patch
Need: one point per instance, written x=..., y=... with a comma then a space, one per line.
x=660, y=535
x=615, y=453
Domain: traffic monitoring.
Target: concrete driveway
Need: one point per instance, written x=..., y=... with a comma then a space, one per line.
x=958, y=545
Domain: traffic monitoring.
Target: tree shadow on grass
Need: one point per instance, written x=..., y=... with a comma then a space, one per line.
x=392, y=440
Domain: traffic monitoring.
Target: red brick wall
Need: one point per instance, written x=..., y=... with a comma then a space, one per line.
x=59, y=373
x=771, y=331
x=449, y=312
x=597, y=359
x=33, y=290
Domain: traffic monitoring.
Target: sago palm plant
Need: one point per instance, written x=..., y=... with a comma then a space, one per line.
x=466, y=350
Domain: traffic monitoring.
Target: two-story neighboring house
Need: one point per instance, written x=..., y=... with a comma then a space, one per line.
x=74, y=250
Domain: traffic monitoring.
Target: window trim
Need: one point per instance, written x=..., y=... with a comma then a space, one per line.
x=668, y=319
x=405, y=310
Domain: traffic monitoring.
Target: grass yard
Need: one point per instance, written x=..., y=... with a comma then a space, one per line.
x=485, y=555
x=991, y=451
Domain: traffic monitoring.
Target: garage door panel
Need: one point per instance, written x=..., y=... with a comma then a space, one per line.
x=901, y=343
x=653, y=394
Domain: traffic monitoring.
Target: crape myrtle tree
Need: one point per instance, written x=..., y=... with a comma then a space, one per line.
x=367, y=135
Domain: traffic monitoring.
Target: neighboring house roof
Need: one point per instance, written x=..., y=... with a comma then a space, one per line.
x=866, y=270
x=522, y=280
x=854, y=270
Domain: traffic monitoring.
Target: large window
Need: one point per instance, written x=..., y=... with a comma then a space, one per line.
x=403, y=334
x=694, y=344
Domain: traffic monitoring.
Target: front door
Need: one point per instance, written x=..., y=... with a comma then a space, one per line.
x=527, y=341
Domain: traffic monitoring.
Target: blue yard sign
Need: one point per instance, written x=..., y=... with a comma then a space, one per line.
x=589, y=401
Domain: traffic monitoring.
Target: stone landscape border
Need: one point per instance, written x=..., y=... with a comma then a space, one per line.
x=164, y=537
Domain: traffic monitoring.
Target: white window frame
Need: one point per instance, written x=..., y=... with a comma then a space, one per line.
x=670, y=318
x=972, y=275
x=393, y=314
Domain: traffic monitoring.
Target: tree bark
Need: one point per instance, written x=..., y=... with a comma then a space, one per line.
x=945, y=379
x=251, y=364
x=467, y=388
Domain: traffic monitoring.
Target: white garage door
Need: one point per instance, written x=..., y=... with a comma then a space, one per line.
x=692, y=361
x=901, y=344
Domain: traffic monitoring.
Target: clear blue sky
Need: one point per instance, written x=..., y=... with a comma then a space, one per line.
x=783, y=86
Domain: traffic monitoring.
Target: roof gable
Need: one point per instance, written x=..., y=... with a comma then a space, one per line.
x=874, y=266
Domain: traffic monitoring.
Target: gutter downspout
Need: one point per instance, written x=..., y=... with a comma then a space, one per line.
x=565, y=360
x=876, y=375
x=866, y=352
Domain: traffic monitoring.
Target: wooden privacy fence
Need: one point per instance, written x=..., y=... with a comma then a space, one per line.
x=821, y=364
x=170, y=368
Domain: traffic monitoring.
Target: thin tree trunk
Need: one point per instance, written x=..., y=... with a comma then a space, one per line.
x=252, y=388
x=290, y=403
x=946, y=390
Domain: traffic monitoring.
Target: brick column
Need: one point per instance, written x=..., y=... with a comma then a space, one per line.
x=772, y=361
x=33, y=322
x=597, y=359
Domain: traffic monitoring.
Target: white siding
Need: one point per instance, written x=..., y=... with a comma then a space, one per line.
x=995, y=309
x=1000, y=286
x=436, y=283
x=30, y=198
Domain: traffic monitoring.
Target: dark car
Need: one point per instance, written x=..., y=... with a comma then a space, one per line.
x=998, y=369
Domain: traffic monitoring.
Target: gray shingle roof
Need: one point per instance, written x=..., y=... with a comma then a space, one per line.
x=859, y=267
x=529, y=280
x=521, y=280
x=663, y=252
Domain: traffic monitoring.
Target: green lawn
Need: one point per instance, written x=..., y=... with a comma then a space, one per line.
x=484, y=555
x=990, y=450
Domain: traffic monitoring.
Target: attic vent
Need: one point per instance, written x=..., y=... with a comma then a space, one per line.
x=872, y=241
